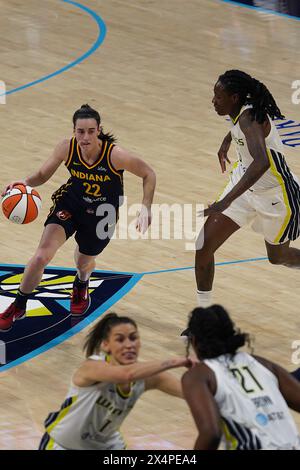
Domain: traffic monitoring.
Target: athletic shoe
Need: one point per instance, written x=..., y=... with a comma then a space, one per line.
x=80, y=300
x=9, y=316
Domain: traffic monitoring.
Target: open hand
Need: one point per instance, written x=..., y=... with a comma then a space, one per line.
x=10, y=186
x=215, y=207
x=143, y=220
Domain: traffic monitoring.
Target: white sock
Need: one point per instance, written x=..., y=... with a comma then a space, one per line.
x=204, y=298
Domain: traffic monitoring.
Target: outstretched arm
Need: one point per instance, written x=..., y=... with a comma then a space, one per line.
x=165, y=382
x=42, y=175
x=92, y=371
x=124, y=160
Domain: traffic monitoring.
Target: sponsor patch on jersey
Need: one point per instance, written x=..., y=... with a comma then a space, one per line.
x=261, y=419
x=48, y=321
x=63, y=215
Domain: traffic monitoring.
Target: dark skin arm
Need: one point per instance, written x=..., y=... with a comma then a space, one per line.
x=255, y=134
x=288, y=385
x=199, y=386
x=223, y=151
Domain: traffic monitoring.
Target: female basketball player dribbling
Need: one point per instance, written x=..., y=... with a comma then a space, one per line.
x=96, y=167
x=105, y=388
x=261, y=190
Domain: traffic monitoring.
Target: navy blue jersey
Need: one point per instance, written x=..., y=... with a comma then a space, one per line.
x=91, y=185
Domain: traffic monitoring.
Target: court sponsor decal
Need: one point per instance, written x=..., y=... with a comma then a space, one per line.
x=48, y=321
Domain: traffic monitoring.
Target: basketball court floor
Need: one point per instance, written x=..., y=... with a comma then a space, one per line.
x=149, y=67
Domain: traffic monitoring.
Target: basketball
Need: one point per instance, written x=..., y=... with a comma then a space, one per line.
x=21, y=204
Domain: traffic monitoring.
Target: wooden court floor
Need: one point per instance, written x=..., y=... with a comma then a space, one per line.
x=151, y=79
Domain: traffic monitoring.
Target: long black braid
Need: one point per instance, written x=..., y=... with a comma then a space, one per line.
x=251, y=91
x=214, y=333
x=102, y=330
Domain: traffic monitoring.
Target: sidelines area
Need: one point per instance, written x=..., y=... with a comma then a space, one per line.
x=260, y=9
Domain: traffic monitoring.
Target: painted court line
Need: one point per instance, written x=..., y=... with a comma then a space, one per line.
x=223, y=263
x=101, y=35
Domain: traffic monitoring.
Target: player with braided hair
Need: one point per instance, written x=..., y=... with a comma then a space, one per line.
x=235, y=395
x=261, y=190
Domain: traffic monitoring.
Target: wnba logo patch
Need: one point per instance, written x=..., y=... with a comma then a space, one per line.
x=48, y=320
x=63, y=215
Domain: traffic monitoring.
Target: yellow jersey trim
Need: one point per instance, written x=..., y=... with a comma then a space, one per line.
x=118, y=387
x=110, y=163
x=234, y=121
x=70, y=156
x=102, y=153
x=61, y=415
x=122, y=393
x=50, y=444
x=280, y=180
x=231, y=441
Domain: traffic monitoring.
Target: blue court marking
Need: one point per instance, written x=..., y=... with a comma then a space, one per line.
x=260, y=9
x=136, y=277
x=95, y=315
x=223, y=263
x=96, y=45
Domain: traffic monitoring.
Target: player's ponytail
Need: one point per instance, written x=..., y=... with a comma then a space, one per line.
x=87, y=112
x=253, y=92
x=101, y=331
x=214, y=333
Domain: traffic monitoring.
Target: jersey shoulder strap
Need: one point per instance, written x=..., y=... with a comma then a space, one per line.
x=71, y=152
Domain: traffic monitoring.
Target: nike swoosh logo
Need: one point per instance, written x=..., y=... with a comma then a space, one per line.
x=274, y=203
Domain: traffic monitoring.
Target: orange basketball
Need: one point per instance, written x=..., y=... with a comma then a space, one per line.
x=21, y=204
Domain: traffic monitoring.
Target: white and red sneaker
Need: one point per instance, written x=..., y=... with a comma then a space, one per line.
x=80, y=300
x=9, y=316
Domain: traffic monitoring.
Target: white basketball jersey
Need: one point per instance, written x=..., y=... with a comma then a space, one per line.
x=278, y=173
x=90, y=417
x=254, y=412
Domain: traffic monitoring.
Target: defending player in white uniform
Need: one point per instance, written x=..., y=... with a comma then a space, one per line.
x=234, y=395
x=262, y=190
x=272, y=203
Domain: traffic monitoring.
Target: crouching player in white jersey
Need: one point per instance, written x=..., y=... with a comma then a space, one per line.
x=244, y=398
x=105, y=388
x=262, y=190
